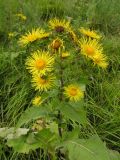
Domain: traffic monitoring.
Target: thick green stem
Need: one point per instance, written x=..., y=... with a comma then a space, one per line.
x=60, y=96
x=59, y=124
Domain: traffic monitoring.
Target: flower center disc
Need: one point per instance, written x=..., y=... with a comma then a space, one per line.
x=40, y=64
x=56, y=44
x=59, y=29
x=90, y=50
x=42, y=81
x=73, y=91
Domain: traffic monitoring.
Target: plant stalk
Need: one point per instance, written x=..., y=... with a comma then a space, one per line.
x=60, y=96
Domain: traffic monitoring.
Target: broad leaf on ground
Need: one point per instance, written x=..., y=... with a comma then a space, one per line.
x=43, y=139
x=114, y=155
x=89, y=149
x=10, y=133
x=22, y=144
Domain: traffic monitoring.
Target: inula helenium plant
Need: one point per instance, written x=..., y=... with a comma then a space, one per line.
x=56, y=58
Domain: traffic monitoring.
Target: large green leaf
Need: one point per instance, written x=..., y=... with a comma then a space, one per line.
x=89, y=149
x=30, y=114
x=74, y=112
x=31, y=141
x=45, y=136
x=24, y=143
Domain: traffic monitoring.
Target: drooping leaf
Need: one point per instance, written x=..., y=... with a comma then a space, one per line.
x=74, y=113
x=31, y=114
x=89, y=149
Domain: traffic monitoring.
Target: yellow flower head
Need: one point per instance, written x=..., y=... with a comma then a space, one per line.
x=11, y=34
x=90, y=47
x=100, y=60
x=56, y=44
x=32, y=36
x=21, y=16
x=65, y=54
x=90, y=33
x=59, y=25
x=37, y=100
x=43, y=83
x=73, y=92
x=40, y=62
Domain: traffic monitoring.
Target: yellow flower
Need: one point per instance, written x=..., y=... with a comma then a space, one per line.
x=100, y=60
x=90, y=47
x=65, y=54
x=90, y=33
x=21, y=16
x=40, y=62
x=37, y=100
x=32, y=36
x=56, y=44
x=11, y=34
x=43, y=83
x=73, y=92
x=59, y=25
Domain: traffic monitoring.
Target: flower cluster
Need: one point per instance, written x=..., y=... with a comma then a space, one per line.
x=42, y=64
x=21, y=16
